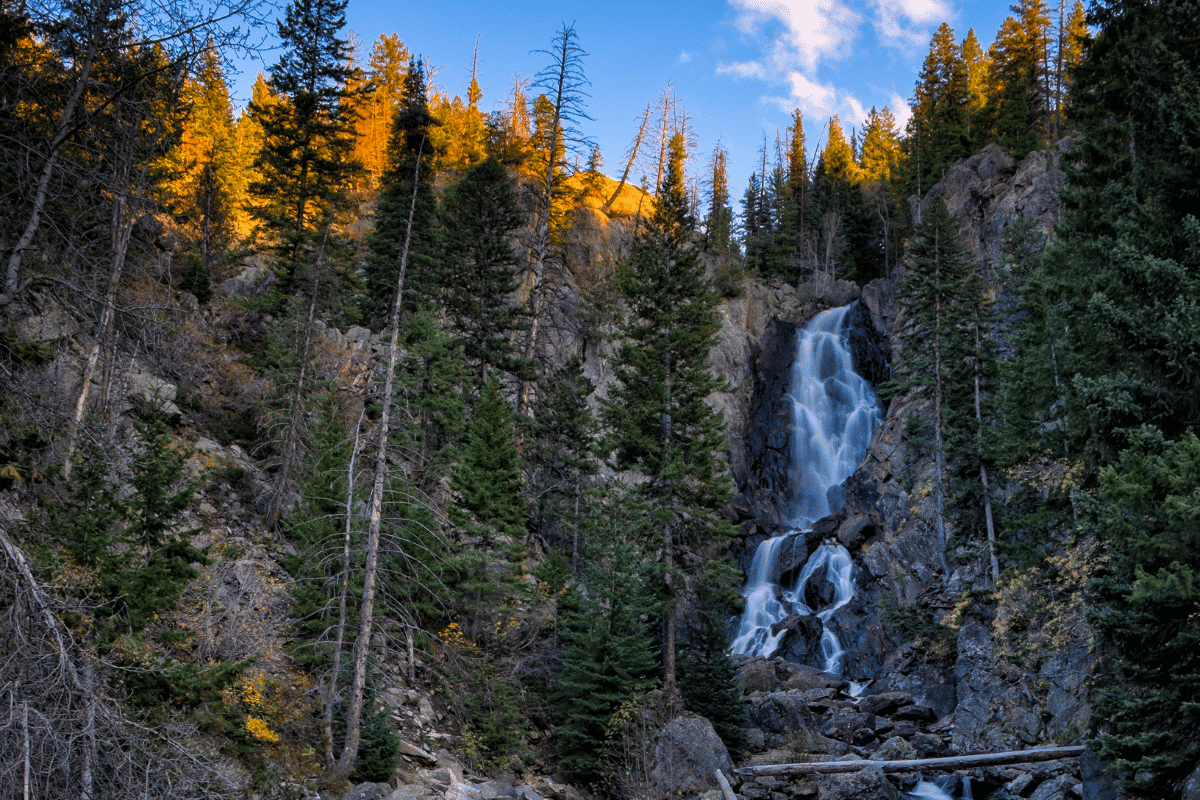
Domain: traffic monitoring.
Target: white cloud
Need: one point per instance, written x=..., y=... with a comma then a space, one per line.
x=792, y=40
x=802, y=32
x=743, y=69
x=908, y=23
x=685, y=57
x=900, y=110
x=819, y=101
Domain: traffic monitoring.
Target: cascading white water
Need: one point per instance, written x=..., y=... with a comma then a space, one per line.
x=834, y=413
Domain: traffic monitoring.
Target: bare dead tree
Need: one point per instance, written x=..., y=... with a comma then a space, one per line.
x=564, y=83
x=63, y=731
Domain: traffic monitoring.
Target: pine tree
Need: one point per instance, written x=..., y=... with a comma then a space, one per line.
x=142, y=561
x=838, y=204
x=489, y=512
x=410, y=145
x=711, y=687
x=305, y=163
x=1147, y=719
x=942, y=293
x=608, y=650
x=660, y=424
x=208, y=188
x=978, y=66
x=1015, y=105
x=880, y=164
x=557, y=112
x=461, y=134
x=480, y=217
x=938, y=132
x=377, y=105
x=561, y=455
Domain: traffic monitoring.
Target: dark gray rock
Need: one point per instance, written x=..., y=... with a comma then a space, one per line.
x=686, y=757
x=802, y=641
x=845, y=727
x=781, y=712
x=1191, y=789
x=368, y=791
x=895, y=749
x=866, y=784
x=1064, y=787
x=496, y=790
x=1099, y=784
x=884, y=703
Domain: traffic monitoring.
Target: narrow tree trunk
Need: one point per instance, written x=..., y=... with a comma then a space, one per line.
x=122, y=229
x=339, y=636
x=362, y=643
x=633, y=153
x=662, y=141
x=541, y=242
x=62, y=131
x=670, y=686
x=87, y=777
x=26, y=786
x=939, y=437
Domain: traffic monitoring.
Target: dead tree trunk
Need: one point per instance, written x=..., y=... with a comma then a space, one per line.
x=362, y=643
x=909, y=765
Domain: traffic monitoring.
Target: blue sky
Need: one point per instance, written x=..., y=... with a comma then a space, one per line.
x=738, y=67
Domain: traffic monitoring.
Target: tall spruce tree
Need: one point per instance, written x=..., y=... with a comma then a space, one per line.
x=660, y=425
x=561, y=455
x=608, y=653
x=1147, y=720
x=305, y=165
x=480, y=217
x=489, y=513
x=410, y=157
x=938, y=133
x=941, y=292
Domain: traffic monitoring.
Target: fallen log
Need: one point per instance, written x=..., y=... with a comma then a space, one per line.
x=905, y=765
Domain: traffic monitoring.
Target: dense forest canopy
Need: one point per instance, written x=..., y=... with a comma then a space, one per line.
x=455, y=489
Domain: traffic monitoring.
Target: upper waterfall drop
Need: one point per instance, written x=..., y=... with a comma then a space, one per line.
x=834, y=412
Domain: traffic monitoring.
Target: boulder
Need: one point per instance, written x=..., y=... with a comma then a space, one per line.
x=785, y=720
x=252, y=281
x=801, y=642
x=884, y=703
x=866, y=784
x=1064, y=787
x=894, y=749
x=368, y=791
x=52, y=326
x=686, y=757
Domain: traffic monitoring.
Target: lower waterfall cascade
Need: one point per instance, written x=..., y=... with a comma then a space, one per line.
x=834, y=412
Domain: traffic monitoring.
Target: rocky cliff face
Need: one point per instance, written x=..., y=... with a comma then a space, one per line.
x=917, y=626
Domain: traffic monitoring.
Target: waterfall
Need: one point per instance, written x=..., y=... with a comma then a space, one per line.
x=834, y=413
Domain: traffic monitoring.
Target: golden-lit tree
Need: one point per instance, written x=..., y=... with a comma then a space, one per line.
x=377, y=103
x=461, y=135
